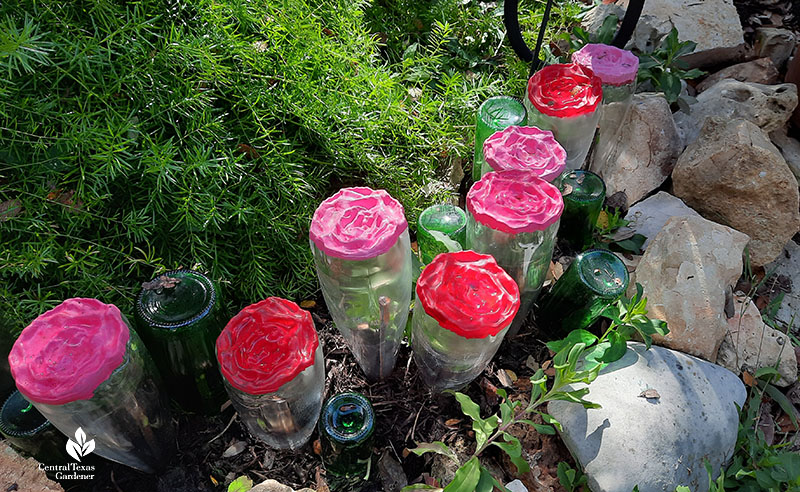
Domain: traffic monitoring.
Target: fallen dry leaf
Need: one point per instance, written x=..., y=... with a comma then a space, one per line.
x=748, y=379
x=234, y=449
x=785, y=423
x=318, y=447
x=308, y=304
x=452, y=423
x=650, y=394
x=504, y=376
x=531, y=363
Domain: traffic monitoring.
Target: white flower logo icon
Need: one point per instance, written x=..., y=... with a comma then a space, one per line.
x=80, y=446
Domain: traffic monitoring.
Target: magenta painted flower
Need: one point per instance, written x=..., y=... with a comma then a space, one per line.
x=468, y=294
x=614, y=66
x=515, y=202
x=525, y=148
x=67, y=352
x=266, y=345
x=565, y=90
x=357, y=223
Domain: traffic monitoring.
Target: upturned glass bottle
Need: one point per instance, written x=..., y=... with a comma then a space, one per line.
x=86, y=370
x=495, y=114
x=440, y=228
x=179, y=317
x=583, y=193
x=514, y=217
x=359, y=238
x=345, y=430
x=273, y=370
x=617, y=69
x=465, y=304
x=525, y=148
x=29, y=431
x=594, y=280
x=565, y=99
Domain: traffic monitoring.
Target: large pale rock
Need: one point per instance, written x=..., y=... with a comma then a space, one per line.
x=649, y=216
x=655, y=443
x=768, y=106
x=734, y=175
x=275, y=486
x=788, y=264
x=713, y=24
x=23, y=472
x=638, y=156
x=790, y=150
x=685, y=272
x=760, y=71
x=751, y=344
x=777, y=44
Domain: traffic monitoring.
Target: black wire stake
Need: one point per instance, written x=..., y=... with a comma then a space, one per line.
x=536, y=63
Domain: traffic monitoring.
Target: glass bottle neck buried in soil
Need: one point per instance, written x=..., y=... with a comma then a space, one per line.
x=583, y=193
x=19, y=418
x=440, y=229
x=180, y=316
x=345, y=429
x=595, y=279
x=495, y=114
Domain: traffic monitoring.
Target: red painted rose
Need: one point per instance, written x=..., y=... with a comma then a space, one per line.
x=67, y=352
x=468, y=294
x=515, y=202
x=266, y=345
x=565, y=90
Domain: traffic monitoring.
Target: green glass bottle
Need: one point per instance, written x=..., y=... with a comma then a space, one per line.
x=30, y=432
x=440, y=229
x=179, y=318
x=495, y=114
x=595, y=279
x=584, y=193
x=345, y=430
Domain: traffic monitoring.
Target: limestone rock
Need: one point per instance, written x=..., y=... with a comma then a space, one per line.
x=713, y=24
x=788, y=264
x=777, y=44
x=768, y=106
x=733, y=175
x=638, y=156
x=790, y=150
x=649, y=216
x=760, y=71
x=23, y=472
x=656, y=443
x=685, y=272
x=275, y=486
x=751, y=344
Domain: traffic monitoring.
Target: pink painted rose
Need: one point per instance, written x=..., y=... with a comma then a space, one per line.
x=614, y=66
x=525, y=148
x=266, y=345
x=357, y=224
x=468, y=293
x=515, y=202
x=67, y=352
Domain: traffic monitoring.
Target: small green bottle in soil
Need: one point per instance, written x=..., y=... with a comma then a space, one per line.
x=29, y=431
x=595, y=279
x=440, y=229
x=345, y=429
x=584, y=193
x=180, y=317
x=495, y=114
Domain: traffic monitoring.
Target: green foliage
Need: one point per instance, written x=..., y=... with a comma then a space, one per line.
x=580, y=37
x=607, y=236
x=241, y=484
x=578, y=359
x=137, y=137
x=664, y=68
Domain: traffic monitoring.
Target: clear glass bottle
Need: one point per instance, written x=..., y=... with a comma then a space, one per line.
x=524, y=148
x=565, y=99
x=179, y=317
x=345, y=430
x=440, y=228
x=514, y=217
x=495, y=114
x=617, y=69
x=583, y=193
x=86, y=370
x=272, y=366
x=465, y=304
x=595, y=279
x=359, y=238
x=29, y=431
